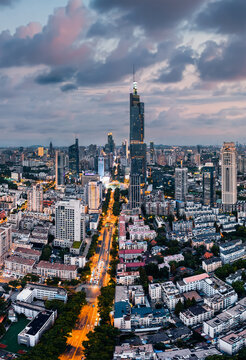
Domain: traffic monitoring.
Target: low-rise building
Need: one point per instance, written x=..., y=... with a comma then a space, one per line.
x=27, y=309
x=191, y=283
x=27, y=253
x=170, y=295
x=232, y=342
x=18, y=266
x=42, y=292
x=130, y=352
x=231, y=251
x=226, y=320
x=47, y=269
x=196, y=314
x=155, y=292
x=32, y=333
x=210, y=265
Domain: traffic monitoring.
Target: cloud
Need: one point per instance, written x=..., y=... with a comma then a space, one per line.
x=224, y=61
x=57, y=75
x=151, y=15
x=223, y=16
x=54, y=44
x=29, y=30
x=7, y=2
x=69, y=87
x=181, y=57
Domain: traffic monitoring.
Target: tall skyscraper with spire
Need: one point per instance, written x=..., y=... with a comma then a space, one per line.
x=137, y=147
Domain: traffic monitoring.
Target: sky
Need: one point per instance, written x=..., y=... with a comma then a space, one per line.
x=66, y=70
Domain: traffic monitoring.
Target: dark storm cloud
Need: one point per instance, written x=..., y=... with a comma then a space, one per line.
x=55, y=76
x=69, y=87
x=225, y=61
x=117, y=67
x=223, y=16
x=177, y=63
x=7, y=2
x=152, y=15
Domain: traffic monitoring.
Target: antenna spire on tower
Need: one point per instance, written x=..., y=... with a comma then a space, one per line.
x=134, y=81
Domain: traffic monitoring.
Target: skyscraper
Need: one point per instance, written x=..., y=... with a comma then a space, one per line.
x=152, y=153
x=181, y=188
x=51, y=150
x=73, y=153
x=35, y=199
x=60, y=168
x=208, y=184
x=41, y=151
x=135, y=192
x=101, y=166
x=68, y=222
x=110, y=147
x=125, y=148
x=94, y=196
x=137, y=145
x=229, y=175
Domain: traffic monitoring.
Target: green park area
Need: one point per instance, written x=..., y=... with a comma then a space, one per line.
x=9, y=340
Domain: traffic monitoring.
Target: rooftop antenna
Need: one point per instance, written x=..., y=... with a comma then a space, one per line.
x=135, y=88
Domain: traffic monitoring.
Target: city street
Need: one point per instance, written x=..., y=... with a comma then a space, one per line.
x=89, y=316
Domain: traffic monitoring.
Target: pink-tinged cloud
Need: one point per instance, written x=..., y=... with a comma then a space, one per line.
x=57, y=43
x=29, y=30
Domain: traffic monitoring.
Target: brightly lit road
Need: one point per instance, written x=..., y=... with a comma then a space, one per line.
x=89, y=316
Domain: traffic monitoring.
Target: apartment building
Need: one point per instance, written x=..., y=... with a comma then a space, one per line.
x=47, y=269
x=170, y=295
x=210, y=265
x=228, y=319
x=18, y=266
x=196, y=314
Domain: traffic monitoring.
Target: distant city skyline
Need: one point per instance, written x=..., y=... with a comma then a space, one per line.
x=66, y=72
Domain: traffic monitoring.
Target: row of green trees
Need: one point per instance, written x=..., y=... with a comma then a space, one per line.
x=54, y=341
x=101, y=343
x=228, y=269
x=106, y=201
x=114, y=254
x=93, y=246
x=117, y=205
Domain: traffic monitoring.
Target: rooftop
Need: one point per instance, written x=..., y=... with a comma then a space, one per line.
x=195, y=278
x=56, y=266
x=36, y=324
x=20, y=260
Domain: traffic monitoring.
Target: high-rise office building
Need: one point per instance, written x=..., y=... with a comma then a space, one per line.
x=209, y=184
x=241, y=164
x=110, y=146
x=135, y=192
x=229, y=175
x=5, y=241
x=94, y=196
x=101, y=166
x=35, y=199
x=137, y=145
x=68, y=222
x=125, y=148
x=152, y=153
x=51, y=150
x=181, y=186
x=73, y=153
x=60, y=168
x=41, y=151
